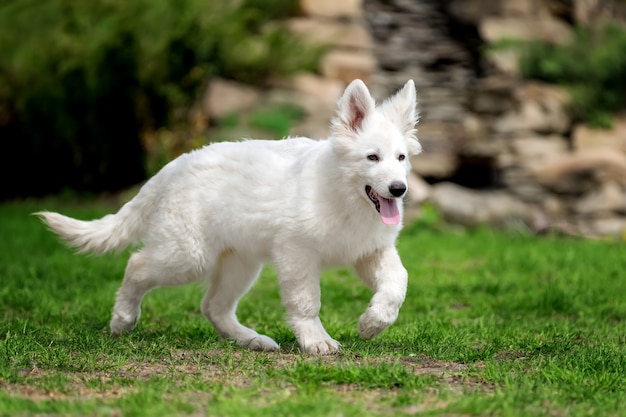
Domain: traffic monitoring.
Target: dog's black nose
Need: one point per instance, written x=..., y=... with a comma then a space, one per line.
x=397, y=188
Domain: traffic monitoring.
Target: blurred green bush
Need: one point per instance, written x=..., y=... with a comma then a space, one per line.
x=81, y=80
x=592, y=66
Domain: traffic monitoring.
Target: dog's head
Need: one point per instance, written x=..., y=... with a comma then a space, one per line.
x=375, y=143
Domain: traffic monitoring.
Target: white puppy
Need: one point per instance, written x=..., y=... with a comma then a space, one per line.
x=219, y=213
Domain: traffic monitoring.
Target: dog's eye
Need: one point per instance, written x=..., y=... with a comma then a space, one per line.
x=373, y=157
x=401, y=157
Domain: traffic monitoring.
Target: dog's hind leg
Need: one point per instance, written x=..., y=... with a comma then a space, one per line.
x=144, y=273
x=234, y=278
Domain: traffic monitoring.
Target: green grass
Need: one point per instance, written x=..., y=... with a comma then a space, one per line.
x=493, y=325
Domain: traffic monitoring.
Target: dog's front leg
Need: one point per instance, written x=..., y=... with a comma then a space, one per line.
x=299, y=278
x=383, y=272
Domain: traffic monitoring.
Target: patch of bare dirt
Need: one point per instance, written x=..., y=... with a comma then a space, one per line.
x=238, y=369
x=75, y=387
x=452, y=373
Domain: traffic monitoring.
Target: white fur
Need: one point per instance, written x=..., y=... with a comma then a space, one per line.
x=219, y=213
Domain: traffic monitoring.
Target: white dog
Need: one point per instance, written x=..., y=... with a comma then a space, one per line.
x=220, y=212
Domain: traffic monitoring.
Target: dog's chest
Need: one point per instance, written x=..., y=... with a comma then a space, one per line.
x=346, y=246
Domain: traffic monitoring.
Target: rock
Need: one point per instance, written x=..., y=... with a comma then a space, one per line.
x=436, y=165
x=519, y=20
x=323, y=89
x=609, y=197
x=493, y=95
x=534, y=152
x=583, y=172
x=346, y=65
x=505, y=60
x=527, y=155
x=596, y=12
x=314, y=87
x=470, y=207
x=473, y=11
x=317, y=96
x=586, y=138
x=442, y=104
x=439, y=158
x=600, y=227
x=416, y=35
x=313, y=127
x=526, y=8
x=224, y=97
x=332, y=8
x=419, y=190
x=546, y=29
x=477, y=140
x=331, y=33
x=475, y=128
x=539, y=108
x=523, y=184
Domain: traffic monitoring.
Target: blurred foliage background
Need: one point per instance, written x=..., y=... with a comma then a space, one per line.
x=591, y=66
x=90, y=91
x=80, y=82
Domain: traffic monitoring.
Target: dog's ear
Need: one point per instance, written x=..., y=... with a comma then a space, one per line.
x=401, y=109
x=415, y=148
x=354, y=107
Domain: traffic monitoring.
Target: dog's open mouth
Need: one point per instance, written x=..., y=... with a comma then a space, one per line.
x=388, y=208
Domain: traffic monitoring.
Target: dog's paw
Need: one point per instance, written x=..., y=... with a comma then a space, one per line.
x=313, y=338
x=375, y=320
x=262, y=343
x=321, y=347
x=123, y=323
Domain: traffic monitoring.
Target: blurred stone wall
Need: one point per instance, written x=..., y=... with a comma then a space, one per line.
x=498, y=149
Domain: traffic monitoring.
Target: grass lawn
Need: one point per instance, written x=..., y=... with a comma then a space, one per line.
x=493, y=325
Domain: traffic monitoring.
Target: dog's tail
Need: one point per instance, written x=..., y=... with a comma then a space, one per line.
x=110, y=233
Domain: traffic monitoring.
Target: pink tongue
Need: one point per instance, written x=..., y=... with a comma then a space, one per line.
x=389, y=212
